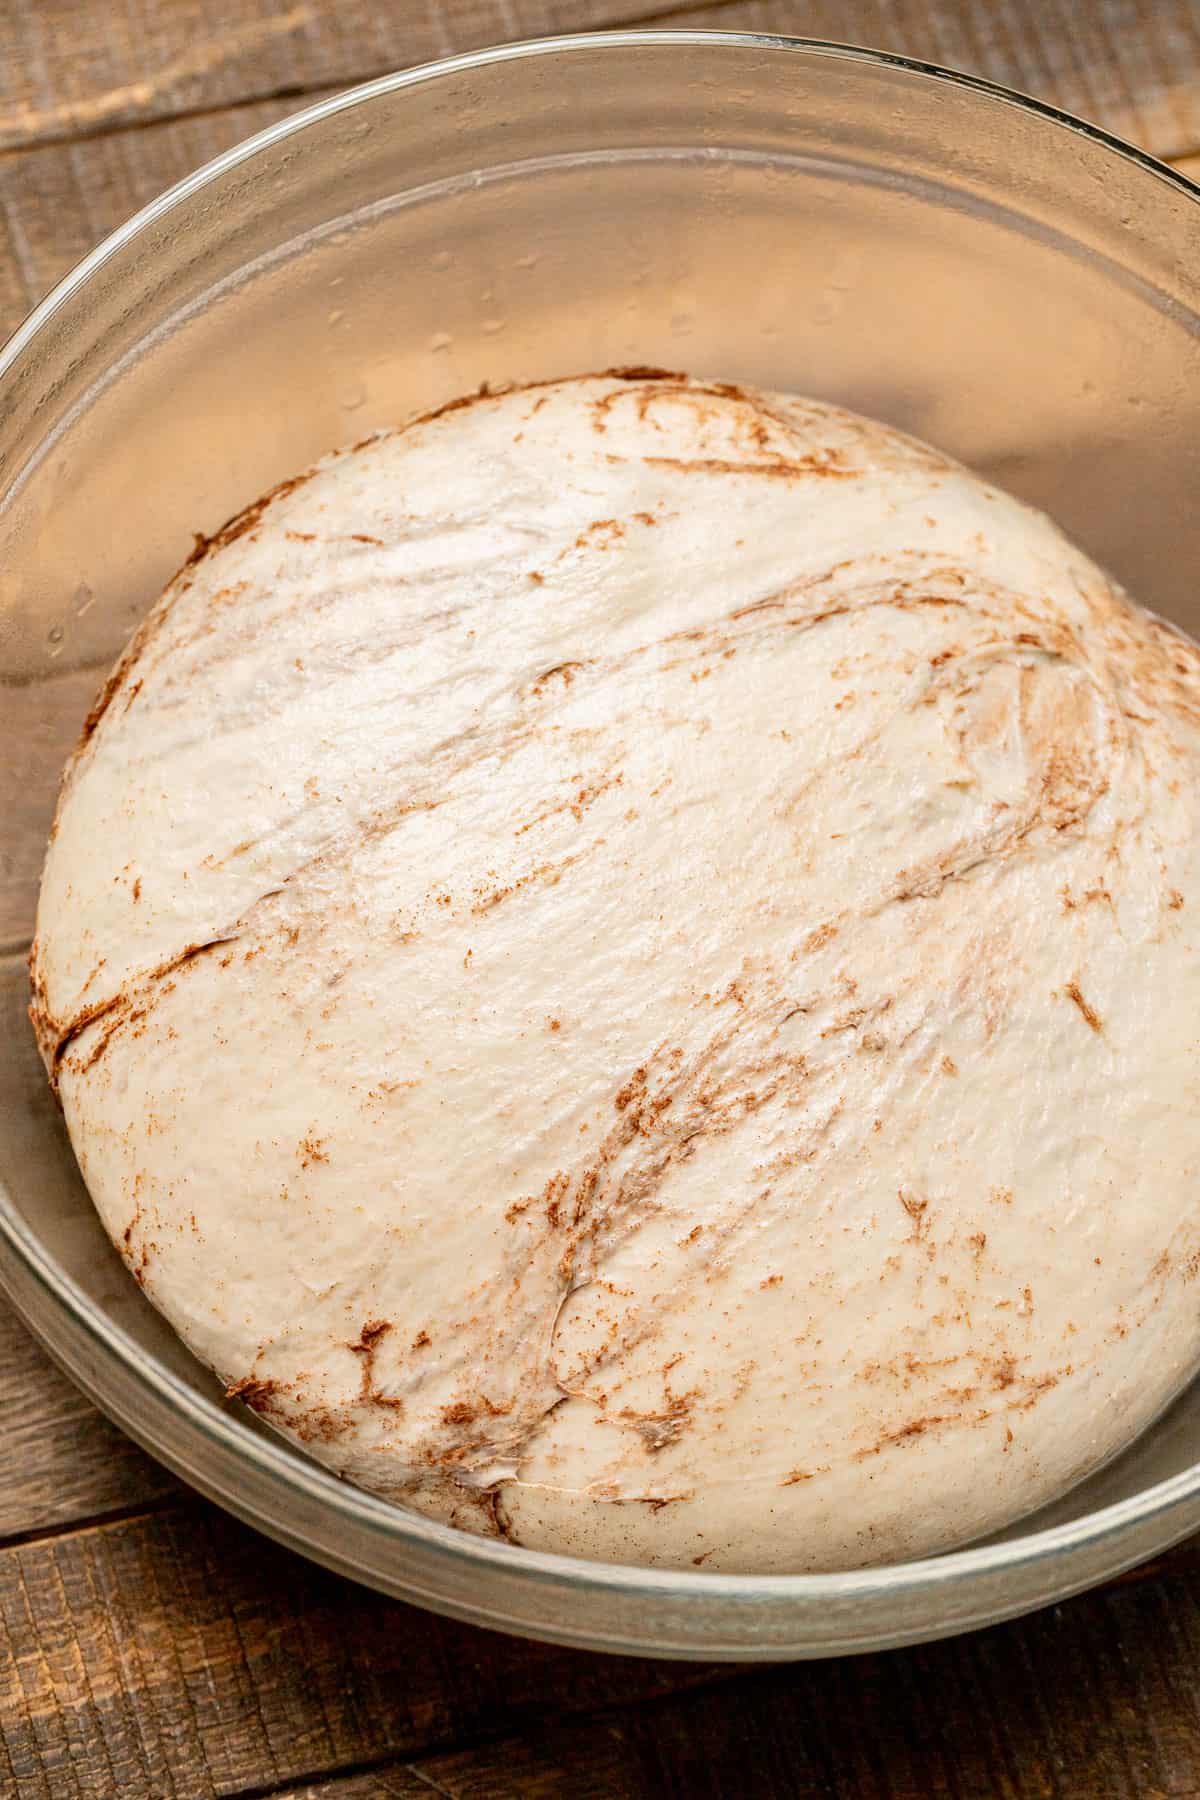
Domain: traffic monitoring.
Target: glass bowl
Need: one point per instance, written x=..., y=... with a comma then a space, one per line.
x=971, y=266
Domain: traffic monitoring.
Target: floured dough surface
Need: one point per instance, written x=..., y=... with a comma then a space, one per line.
x=619, y=960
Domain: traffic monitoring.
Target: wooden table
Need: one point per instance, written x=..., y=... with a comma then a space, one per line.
x=149, y=1646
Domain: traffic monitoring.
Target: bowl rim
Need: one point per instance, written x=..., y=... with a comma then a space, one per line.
x=529, y=48
x=278, y=1462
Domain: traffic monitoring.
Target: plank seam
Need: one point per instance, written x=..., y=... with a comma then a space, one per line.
x=298, y=90
x=101, y=1521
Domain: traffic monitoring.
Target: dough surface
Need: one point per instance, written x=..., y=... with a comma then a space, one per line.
x=618, y=961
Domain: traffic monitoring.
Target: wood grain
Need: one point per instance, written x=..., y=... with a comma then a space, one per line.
x=1129, y=65
x=1134, y=68
x=62, y=1460
x=1087, y=1700
x=180, y=1654
x=70, y=68
x=1091, y=1699
x=57, y=202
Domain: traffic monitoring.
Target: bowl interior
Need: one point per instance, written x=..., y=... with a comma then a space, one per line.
x=966, y=267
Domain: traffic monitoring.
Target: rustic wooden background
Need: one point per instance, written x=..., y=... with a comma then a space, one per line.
x=151, y=1647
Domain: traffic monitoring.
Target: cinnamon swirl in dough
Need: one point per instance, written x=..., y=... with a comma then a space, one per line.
x=618, y=961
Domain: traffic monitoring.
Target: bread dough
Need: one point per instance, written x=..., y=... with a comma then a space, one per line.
x=618, y=961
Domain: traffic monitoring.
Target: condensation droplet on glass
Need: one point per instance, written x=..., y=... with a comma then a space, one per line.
x=529, y=261
x=336, y=317
x=492, y=326
x=84, y=597
x=352, y=397
x=54, y=637
x=683, y=324
x=442, y=259
x=441, y=340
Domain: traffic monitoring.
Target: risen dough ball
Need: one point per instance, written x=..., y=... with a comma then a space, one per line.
x=619, y=962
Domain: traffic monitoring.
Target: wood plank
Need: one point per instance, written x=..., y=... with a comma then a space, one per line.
x=1132, y=66
x=56, y=203
x=70, y=68
x=1091, y=1701
x=181, y=1654
x=63, y=1461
